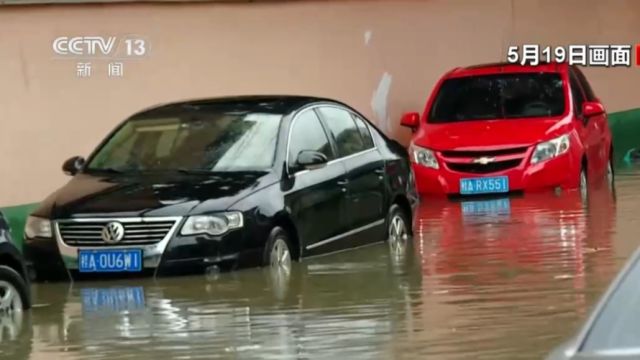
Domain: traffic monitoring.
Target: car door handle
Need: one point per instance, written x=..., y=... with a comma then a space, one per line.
x=343, y=182
x=380, y=171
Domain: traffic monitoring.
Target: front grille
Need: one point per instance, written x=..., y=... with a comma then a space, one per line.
x=139, y=232
x=474, y=154
x=484, y=169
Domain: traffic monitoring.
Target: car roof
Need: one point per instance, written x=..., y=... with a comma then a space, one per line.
x=505, y=67
x=272, y=104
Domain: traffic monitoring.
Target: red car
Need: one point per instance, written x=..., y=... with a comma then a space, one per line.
x=500, y=128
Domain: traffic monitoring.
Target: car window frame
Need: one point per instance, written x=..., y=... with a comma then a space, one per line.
x=356, y=119
x=587, y=90
x=290, y=134
x=352, y=114
x=574, y=78
x=334, y=147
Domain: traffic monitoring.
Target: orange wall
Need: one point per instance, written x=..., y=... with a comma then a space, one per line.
x=316, y=48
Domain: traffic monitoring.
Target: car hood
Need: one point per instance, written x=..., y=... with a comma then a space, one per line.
x=128, y=196
x=489, y=133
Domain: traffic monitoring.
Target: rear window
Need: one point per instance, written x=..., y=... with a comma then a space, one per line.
x=499, y=96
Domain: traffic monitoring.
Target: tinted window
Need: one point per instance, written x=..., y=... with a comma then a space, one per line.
x=307, y=134
x=501, y=96
x=364, y=132
x=618, y=324
x=192, y=140
x=344, y=130
x=576, y=93
x=586, y=87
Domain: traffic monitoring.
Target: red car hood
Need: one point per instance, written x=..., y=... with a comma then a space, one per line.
x=489, y=133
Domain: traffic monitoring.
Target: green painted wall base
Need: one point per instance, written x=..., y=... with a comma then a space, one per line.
x=625, y=126
x=16, y=216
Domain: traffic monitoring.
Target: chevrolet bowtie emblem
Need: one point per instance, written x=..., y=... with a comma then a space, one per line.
x=484, y=160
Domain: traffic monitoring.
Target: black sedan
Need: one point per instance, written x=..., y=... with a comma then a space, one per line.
x=221, y=183
x=14, y=282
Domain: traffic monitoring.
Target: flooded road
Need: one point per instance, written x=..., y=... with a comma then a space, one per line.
x=483, y=280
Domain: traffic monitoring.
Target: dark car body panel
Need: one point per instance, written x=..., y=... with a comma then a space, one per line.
x=88, y=195
x=366, y=198
x=317, y=206
x=316, y=199
x=9, y=254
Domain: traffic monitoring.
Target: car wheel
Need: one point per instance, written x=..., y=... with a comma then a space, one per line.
x=398, y=231
x=13, y=291
x=584, y=185
x=277, y=252
x=279, y=280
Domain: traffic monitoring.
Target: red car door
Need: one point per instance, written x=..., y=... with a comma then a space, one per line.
x=600, y=124
x=601, y=121
x=588, y=128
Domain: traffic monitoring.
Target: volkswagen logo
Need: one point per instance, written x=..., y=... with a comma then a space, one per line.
x=113, y=232
x=484, y=160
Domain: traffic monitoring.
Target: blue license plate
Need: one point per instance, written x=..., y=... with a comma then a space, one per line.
x=488, y=207
x=112, y=299
x=484, y=185
x=112, y=260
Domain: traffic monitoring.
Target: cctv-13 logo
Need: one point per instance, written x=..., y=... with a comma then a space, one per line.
x=100, y=46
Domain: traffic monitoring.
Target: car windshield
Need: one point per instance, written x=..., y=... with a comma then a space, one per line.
x=204, y=140
x=499, y=96
x=616, y=329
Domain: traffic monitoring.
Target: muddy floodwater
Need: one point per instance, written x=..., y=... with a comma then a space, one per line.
x=499, y=279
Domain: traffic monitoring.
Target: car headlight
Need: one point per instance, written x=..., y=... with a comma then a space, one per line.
x=550, y=149
x=216, y=224
x=37, y=227
x=423, y=156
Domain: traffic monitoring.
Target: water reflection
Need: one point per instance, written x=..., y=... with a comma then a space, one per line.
x=536, y=231
x=324, y=304
x=11, y=324
x=15, y=335
x=498, y=272
x=496, y=280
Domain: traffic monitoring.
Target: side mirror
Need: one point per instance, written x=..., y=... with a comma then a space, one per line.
x=592, y=108
x=73, y=165
x=310, y=160
x=410, y=120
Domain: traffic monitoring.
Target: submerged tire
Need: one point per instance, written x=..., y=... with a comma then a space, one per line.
x=14, y=294
x=398, y=231
x=584, y=185
x=277, y=251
